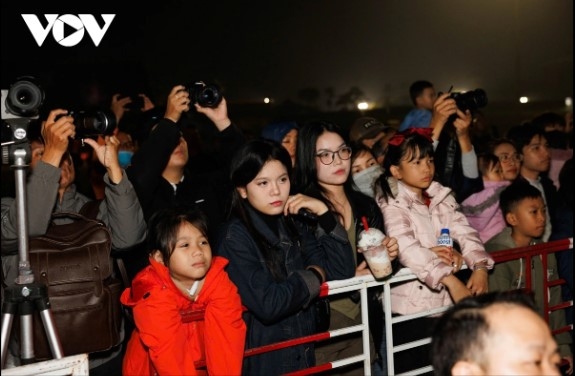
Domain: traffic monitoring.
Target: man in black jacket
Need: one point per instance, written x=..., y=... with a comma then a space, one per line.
x=159, y=169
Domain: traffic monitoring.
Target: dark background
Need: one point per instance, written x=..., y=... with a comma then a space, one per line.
x=309, y=57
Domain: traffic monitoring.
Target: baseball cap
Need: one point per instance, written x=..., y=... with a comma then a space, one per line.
x=365, y=127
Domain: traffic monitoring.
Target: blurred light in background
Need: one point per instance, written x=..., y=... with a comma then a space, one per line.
x=362, y=106
x=523, y=100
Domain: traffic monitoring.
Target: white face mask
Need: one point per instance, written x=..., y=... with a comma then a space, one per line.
x=364, y=179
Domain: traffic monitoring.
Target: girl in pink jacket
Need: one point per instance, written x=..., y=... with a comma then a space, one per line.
x=415, y=209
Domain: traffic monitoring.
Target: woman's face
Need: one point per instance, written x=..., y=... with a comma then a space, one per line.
x=509, y=159
x=289, y=142
x=362, y=161
x=332, y=147
x=269, y=190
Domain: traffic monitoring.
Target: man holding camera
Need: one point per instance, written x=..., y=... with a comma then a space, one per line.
x=455, y=158
x=160, y=170
x=50, y=189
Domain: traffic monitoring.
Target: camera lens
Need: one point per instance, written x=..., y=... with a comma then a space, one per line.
x=470, y=100
x=93, y=123
x=205, y=95
x=24, y=98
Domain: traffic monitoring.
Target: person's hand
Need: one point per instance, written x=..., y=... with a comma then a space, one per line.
x=443, y=108
x=178, y=102
x=108, y=156
x=218, y=115
x=457, y=290
x=444, y=253
x=392, y=247
x=148, y=104
x=118, y=106
x=462, y=124
x=362, y=269
x=299, y=201
x=478, y=282
x=56, y=131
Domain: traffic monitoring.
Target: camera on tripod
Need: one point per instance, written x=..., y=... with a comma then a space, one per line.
x=205, y=95
x=470, y=100
x=20, y=104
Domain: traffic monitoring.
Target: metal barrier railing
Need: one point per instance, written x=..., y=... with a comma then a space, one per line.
x=361, y=284
x=404, y=275
x=329, y=289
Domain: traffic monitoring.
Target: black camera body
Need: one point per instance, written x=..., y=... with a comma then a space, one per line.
x=205, y=95
x=470, y=100
x=93, y=123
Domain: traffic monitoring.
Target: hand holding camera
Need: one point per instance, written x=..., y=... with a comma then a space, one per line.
x=178, y=102
x=56, y=131
x=107, y=154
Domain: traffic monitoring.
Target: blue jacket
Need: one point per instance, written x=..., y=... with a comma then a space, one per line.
x=282, y=310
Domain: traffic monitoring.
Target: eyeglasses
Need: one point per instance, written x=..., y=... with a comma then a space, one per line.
x=327, y=156
x=506, y=158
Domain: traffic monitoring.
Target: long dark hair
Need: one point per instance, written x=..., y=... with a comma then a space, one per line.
x=305, y=174
x=413, y=145
x=248, y=161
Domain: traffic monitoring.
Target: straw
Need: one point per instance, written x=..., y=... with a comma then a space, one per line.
x=364, y=221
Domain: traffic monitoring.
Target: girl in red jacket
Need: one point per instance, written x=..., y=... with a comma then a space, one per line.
x=187, y=312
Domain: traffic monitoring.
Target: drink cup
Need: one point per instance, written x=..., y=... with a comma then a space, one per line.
x=375, y=253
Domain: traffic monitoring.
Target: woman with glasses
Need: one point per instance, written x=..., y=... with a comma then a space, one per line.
x=323, y=166
x=510, y=159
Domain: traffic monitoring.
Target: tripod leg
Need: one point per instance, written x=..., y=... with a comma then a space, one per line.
x=48, y=321
x=8, y=311
x=26, y=332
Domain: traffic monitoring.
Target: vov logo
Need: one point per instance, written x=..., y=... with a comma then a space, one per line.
x=68, y=29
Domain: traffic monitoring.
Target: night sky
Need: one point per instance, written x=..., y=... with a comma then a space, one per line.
x=274, y=49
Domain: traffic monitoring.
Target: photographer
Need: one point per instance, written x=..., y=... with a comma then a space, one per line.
x=50, y=189
x=455, y=158
x=160, y=172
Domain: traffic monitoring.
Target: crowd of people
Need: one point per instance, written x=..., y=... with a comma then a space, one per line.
x=248, y=233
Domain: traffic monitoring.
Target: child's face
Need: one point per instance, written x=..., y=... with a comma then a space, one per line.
x=536, y=155
x=528, y=217
x=269, y=190
x=192, y=255
x=417, y=173
x=494, y=173
x=427, y=97
x=362, y=161
x=336, y=172
x=510, y=160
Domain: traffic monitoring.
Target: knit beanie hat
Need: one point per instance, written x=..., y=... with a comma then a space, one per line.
x=277, y=131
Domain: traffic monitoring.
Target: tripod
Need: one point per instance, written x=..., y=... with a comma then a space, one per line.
x=26, y=295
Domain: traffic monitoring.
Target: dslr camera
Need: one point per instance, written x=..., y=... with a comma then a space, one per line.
x=93, y=123
x=205, y=95
x=470, y=100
